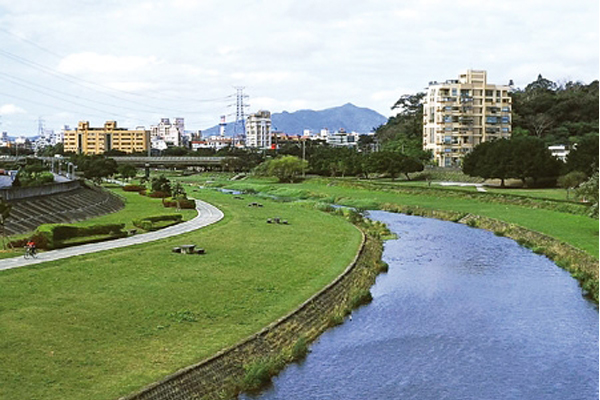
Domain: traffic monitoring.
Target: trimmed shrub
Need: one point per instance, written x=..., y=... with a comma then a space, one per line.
x=134, y=188
x=50, y=236
x=147, y=223
x=183, y=204
x=158, y=195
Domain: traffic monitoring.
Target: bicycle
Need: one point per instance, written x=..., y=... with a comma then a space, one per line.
x=29, y=252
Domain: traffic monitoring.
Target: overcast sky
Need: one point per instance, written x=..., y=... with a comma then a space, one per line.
x=137, y=61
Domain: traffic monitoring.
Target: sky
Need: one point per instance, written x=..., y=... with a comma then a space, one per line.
x=137, y=61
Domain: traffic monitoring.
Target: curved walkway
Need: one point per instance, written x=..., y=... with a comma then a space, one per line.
x=207, y=215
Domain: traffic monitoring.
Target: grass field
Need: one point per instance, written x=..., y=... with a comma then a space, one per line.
x=104, y=325
x=578, y=230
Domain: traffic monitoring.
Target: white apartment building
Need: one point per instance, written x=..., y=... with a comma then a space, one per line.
x=170, y=133
x=342, y=139
x=459, y=114
x=258, y=130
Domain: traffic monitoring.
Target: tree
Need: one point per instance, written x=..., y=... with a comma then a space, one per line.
x=588, y=191
x=489, y=160
x=286, y=168
x=393, y=164
x=530, y=158
x=95, y=167
x=571, y=180
x=127, y=171
x=161, y=184
x=584, y=157
x=521, y=158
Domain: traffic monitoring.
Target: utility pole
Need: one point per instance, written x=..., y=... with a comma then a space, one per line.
x=303, y=157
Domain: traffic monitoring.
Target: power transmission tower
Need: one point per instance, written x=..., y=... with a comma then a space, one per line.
x=239, y=128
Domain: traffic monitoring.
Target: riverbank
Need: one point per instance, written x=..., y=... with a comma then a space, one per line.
x=562, y=234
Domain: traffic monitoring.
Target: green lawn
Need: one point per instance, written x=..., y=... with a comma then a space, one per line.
x=104, y=325
x=578, y=230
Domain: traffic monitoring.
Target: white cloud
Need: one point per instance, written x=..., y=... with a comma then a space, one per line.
x=84, y=63
x=289, y=54
x=11, y=109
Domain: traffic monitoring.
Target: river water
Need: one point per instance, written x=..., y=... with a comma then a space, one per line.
x=461, y=314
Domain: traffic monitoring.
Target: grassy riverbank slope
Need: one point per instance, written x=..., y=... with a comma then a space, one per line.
x=104, y=325
x=540, y=215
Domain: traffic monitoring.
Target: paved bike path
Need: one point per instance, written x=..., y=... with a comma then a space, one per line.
x=207, y=215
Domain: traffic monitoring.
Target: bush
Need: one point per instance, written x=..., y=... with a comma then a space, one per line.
x=159, y=195
x=183, y=204
x=50, y=236
x=148, y=223
x=134, y=188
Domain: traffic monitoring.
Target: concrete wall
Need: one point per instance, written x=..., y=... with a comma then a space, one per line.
x=221, y=374
x=19, y=193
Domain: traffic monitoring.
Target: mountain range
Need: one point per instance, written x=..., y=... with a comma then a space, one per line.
x=348, y=117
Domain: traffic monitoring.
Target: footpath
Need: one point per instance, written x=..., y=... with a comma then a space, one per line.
x=207, y=215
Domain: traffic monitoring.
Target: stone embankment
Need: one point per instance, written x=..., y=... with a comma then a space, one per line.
x=65, y=202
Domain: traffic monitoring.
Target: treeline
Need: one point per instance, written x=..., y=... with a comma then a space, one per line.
x=556, y=113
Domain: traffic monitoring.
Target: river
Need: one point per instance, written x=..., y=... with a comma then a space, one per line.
x=461, y=314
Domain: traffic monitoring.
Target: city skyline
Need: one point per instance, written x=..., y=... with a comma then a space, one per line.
x=137, y=62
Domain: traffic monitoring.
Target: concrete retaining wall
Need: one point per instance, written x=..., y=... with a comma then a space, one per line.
x=19, y=193
x=221, y=374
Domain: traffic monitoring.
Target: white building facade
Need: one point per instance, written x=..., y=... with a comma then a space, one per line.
x=258, y=130
x=460, y=114
x=170, y=133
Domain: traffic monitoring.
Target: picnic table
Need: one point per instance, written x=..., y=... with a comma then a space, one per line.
x=188, y=248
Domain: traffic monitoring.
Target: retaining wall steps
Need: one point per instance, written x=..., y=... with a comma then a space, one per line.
x=76, y=205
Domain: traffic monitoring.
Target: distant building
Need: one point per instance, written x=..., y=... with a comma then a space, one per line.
x=170, y=133
x=87, y=140
x=342, y=139
x=559, y=151
x=460, y=114
x=258, y=130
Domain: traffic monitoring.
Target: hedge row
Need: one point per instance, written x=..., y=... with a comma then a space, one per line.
x=182, y=204
x=148, y=223
x=134, y=188
x=52, y=236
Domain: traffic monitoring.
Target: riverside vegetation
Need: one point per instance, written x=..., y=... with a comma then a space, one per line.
x=565, y=222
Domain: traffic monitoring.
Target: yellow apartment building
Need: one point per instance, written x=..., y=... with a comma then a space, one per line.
x=459, y=114
x=87, y=140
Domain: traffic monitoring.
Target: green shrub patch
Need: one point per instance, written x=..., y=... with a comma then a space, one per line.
x=52, y=236
x=157, y=221
x=134, y=188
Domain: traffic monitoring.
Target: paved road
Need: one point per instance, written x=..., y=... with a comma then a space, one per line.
x=207, y=214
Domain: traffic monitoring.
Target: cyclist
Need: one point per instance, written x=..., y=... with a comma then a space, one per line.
x=31, y=247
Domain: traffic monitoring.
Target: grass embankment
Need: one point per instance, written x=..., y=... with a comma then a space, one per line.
x=103, y=325
x=577, y=230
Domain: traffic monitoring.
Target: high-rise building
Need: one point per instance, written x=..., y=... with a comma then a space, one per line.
x=87, y=140
x=258, y=130
x=459, y=114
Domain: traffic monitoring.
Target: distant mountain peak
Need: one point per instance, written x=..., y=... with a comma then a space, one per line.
x=347, y=116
